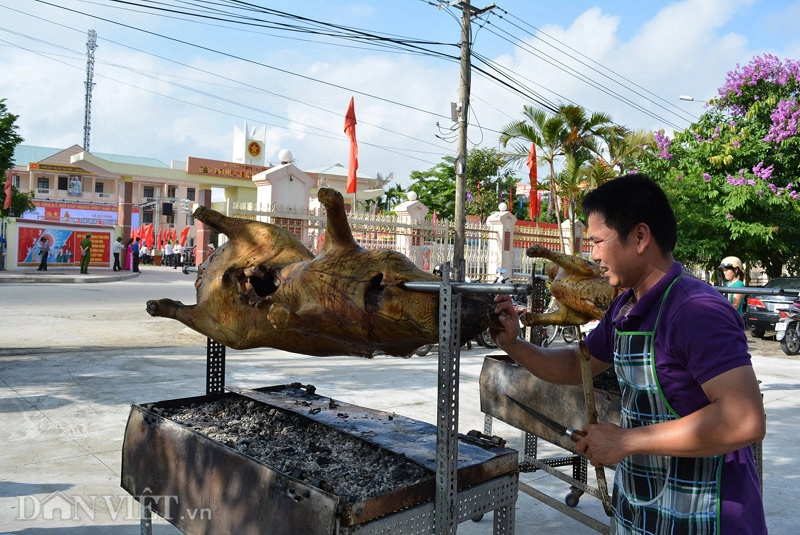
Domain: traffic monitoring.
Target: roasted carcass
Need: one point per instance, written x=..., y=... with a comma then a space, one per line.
x=263, y=288
x=581, y=291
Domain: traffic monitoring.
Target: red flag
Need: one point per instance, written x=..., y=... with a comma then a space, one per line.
x=350, y=130
x=533, y=174
x=147, y=235
x=184, y=235
x=7, y=203
x=435, y=218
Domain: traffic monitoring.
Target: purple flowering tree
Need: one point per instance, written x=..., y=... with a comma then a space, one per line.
x=733, y=175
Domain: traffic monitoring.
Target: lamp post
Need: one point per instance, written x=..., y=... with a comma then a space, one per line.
x=691, y=99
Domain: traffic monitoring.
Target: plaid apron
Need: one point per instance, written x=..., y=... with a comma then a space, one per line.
x=657, y=495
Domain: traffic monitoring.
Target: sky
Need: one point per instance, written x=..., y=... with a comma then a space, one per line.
x=175, y=82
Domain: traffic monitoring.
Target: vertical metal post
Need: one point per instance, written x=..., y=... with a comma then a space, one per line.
x=215, y=367
x=145, y=519
x=447, y=408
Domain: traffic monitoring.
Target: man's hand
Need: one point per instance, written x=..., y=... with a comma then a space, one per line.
x=602, y=444
x=509, y=320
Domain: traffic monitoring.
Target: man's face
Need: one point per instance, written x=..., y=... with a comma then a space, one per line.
x=618, y=260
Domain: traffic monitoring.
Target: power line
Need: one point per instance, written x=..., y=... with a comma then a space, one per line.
x=217, y=97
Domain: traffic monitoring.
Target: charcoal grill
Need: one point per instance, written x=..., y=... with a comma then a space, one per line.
x=203, y=486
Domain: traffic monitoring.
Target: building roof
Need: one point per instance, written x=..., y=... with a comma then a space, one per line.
x=336, y=169
x=24, y=154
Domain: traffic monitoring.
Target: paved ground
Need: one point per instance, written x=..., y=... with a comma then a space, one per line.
x=75, y=356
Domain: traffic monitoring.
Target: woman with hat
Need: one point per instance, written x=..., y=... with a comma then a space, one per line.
x=731, y=268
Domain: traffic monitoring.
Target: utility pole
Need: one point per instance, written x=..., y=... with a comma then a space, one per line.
x=91, y=45
x=467, y=12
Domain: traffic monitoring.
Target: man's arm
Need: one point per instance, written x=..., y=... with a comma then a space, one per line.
x=733, y=419
x=555, y=365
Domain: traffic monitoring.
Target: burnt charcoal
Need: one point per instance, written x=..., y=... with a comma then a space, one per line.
x=328, y=459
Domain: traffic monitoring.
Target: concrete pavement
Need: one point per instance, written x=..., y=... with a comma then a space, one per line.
x=63, y=412
x=60, y=275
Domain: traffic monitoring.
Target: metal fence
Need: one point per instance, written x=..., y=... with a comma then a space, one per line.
x=425, y=243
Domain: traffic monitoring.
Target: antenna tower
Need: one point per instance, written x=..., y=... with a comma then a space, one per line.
x=91, y=44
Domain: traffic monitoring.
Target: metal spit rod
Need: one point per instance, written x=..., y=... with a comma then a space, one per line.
x=470, y=287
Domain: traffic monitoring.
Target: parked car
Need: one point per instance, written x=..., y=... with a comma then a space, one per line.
x=761, y=313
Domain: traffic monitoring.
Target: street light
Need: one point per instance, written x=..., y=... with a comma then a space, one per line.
x=691, y=99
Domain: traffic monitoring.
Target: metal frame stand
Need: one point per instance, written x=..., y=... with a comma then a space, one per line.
x=448, y=501
x=447, y=407
x=450, y=506
x=215, y=367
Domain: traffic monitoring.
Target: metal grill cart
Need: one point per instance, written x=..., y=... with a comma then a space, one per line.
x=502, y=379
x=203, y=486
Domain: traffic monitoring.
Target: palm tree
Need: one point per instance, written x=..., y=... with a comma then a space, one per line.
x=393, y=196
x=547, y=132
x=566, y=134
x=582, y=131
x=622, y=148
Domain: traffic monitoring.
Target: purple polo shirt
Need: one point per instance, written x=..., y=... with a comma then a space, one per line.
x=699, y=336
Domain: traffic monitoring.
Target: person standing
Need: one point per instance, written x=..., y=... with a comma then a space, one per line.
x=44, y=252
x=691, y=405
x=144, y=254
x=86, y=252
x=135, y=255
x=177, y=251
x=732, y=270
x=168, y=253
x=117, y=249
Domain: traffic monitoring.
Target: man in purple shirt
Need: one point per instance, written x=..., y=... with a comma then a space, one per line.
x=691, y=407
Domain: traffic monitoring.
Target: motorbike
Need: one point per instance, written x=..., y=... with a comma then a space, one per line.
x=787, y=330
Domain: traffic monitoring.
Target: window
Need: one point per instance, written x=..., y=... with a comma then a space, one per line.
x=15, y=181
x=190, y=194
x=98, y=187
x=148, y=191
x=172, y=191
x=63, y=182
x=42, y=183
x=147, y=216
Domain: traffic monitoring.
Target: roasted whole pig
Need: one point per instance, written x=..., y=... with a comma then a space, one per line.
x=579, y=287
x=263, y=288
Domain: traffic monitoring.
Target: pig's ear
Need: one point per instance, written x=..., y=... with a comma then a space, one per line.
x=255, y=241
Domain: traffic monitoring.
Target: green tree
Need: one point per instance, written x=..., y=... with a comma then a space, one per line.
x=391, y=197
x=547, y=131
x=488, y=181
x=623, y=150
x=732, y=175
x=9, y=139
x=570, y=137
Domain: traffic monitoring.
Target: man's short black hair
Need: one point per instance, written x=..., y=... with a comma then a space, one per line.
x=629, y=200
